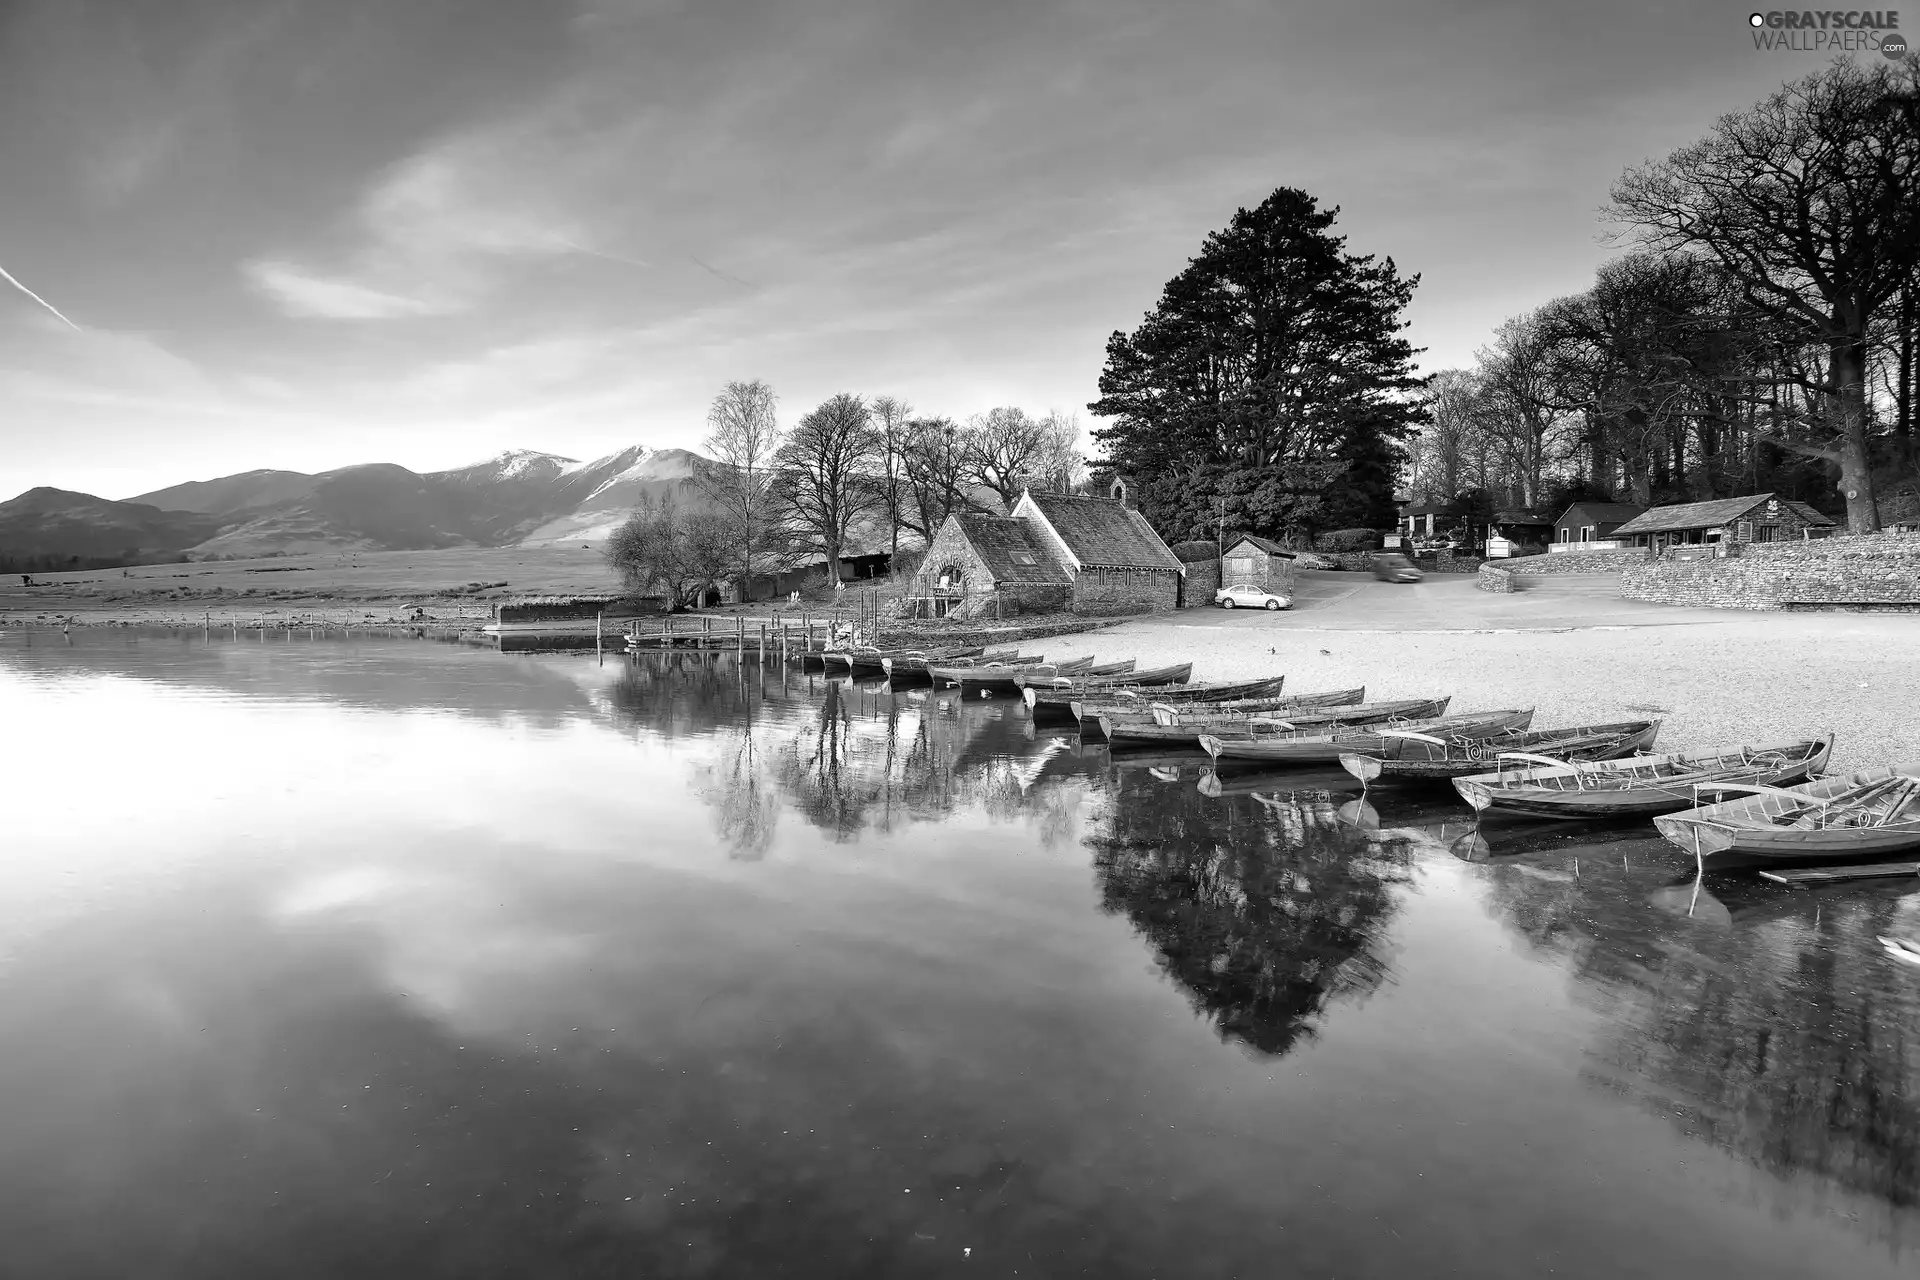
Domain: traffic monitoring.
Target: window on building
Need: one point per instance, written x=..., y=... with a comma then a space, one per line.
x=1025, y=558
x=1766, y=533
x=1566, y=534
x=1743, y=531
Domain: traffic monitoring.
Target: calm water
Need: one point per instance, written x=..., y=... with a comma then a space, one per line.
x=406, y=959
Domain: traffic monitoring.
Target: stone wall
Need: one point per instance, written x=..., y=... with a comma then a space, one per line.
x=1106, y=592
x=1498, y=575
x=1874, y=570
x=1202, y=580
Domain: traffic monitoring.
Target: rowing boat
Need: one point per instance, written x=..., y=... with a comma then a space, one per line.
x=1857, y=816
x=1061, y=692
x=1135, y=726
x=1326, y=744
x=1096, y=700
x=1641, y=786
x=914, y=662
x=1283, y=718
x=874, y=658
x=998, y=677
x=1416, y=757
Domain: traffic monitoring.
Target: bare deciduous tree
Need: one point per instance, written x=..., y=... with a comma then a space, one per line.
x=823, y=474
x=1810, y=202
x=934, y=460
x=1008, y=451
x=673, y=554
x=743, y=437
x=890, y=418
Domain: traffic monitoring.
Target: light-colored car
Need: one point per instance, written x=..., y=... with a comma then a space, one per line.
x=1241, y=596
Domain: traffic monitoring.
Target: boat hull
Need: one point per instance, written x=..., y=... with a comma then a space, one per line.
x=1736, y=832
x=1327, y=748
x=1564, y=792
x=1409, y=760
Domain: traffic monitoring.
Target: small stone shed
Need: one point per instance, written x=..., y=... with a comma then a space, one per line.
x=1256, y=562
x=1051, y=554
x=1759, y=517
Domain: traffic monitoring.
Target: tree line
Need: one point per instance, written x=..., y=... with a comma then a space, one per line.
x=850, y=466
x=1757, y=335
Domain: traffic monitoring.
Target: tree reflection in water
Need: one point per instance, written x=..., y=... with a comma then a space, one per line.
x=1267, y=913
x=1768, y=1024
x=850, y=759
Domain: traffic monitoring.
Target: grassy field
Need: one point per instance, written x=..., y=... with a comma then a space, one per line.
x=462, y=583
x=457, y=587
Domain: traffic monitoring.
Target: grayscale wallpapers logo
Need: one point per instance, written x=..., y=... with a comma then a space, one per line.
x=1829, y=31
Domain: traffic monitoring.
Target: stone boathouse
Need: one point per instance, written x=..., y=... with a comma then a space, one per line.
x=1725, y=522
x=1052, y=554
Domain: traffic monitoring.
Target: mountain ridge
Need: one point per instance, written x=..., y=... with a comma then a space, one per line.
x=516, y=497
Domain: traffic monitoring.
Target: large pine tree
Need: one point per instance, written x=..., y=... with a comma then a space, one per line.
x=1271, y=388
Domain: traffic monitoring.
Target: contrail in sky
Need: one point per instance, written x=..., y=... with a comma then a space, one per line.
x=610, y=257
x=8, y=276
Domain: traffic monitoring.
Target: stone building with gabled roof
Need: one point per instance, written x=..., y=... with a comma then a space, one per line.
x=1052, y=554
x=1757, y=517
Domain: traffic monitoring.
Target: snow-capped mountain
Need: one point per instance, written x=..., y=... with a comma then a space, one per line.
x=521, y=495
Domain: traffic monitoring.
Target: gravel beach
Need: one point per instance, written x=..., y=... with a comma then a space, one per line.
x=1744, y=677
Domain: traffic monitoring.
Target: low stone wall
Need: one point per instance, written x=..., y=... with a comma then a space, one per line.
x=1498, y=575
x=1869, y=571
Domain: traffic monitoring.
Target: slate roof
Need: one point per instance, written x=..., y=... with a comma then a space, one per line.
x=1002, y=542
x=1601, y=512
x=1105, y=534
x=1267, y=545
x=1521, y=517
x=1705, y=515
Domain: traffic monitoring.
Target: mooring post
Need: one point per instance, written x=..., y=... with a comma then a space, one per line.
x=599, y=622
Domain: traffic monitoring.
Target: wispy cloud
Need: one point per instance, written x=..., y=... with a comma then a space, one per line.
x=306, y=294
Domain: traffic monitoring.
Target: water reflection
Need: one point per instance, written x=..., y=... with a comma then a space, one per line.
x=1268, y=911
x=1754, y=1018
x=407, y=959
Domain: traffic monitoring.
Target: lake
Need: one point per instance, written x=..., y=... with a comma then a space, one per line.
x=394, y=957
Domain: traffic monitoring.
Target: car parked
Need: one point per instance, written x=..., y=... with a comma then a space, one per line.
x=1242, y=596
x=1391, y=566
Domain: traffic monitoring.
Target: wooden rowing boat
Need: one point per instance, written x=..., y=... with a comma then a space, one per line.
x=1125, y=726
x=998, y=677
x=1642, y=786
x=1325, y=745
x=1099, y=699
x=1412, y=757
x=1061, y=692
x=1856, y=816
x=1301, y=718
x=873, y=658
x=912, y=662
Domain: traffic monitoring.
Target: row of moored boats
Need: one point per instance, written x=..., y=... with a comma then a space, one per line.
x=1769, y=801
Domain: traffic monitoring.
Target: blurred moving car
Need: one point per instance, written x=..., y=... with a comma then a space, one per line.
x=1241, y=596
x=1391, y=566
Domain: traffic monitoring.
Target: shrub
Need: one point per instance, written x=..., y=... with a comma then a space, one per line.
x=1348, y=540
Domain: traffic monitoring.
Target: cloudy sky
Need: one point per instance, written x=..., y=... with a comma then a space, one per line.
x=309, y=233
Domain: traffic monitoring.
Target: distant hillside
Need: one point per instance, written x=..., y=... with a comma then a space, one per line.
x=232, y=493
x=58, y=523
x=518, y=496
x=376, y=507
